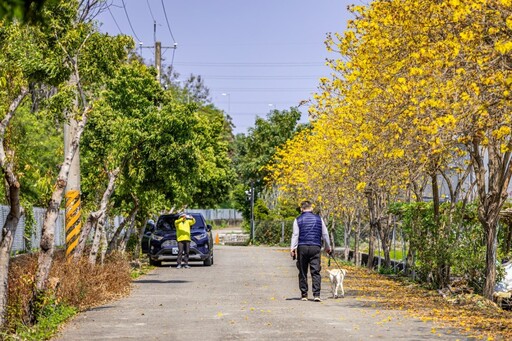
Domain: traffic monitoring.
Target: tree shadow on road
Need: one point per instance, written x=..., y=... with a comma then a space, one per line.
x=175, y=281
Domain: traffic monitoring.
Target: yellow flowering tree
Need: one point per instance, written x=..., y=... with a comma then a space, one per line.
x=421, y=90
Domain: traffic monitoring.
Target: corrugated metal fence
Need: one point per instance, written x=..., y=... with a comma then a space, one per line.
x=19, y=243
x=230, y=216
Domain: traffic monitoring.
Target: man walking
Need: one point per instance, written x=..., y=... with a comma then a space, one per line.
x=183, y=224
x=308, y=232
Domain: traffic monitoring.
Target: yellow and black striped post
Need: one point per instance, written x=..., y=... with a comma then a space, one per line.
x=73, y=222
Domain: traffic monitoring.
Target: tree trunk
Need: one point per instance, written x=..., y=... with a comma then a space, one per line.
x=112, y=177
x=333, y=228
x=435, y=198
x=384, y=230
x=442, y=266
x=492, y=183
x=114, y=241
x=376, y=209
x=409, y=261
x=386, y=250
x=357, y=235
x=11, y=222
x=84, y=234
x=45, y=259
x=93, y=255
x=508, y=238
x=89, y=224
x=371, y=247
x=371, y=241
x=129, y=231
x=346, y=236
x=10, y=225
x=103, y=243
x=492, y=180
x=491, y=238
x=98, y=218
x=357, y=254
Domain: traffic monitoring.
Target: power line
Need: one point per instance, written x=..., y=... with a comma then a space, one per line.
x=129, y=22
x=261, y=102
x=259, y=77
x=150, y=12
x=115, y=22
x=260, y=112
x=256, y=64
x=262, y=89
x=168, y=26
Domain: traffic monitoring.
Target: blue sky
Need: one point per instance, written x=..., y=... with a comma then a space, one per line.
x=261, y=54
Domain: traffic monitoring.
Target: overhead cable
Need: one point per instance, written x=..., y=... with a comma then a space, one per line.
x=150, y=12
x=256, y=64
x=129, y=22
x=280, y=77
x=260, y=89
x=167, y=20
x=115, y=22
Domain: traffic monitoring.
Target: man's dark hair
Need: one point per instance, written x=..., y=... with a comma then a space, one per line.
x=306, y=205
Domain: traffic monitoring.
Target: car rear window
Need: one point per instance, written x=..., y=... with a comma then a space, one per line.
x=166, y=223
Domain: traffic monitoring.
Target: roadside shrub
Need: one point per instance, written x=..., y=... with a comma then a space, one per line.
x=384, y=270
x=72, y=287
x=269, y=232
x=21, y=281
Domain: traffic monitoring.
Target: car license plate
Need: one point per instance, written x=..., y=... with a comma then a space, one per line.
x=174, y=251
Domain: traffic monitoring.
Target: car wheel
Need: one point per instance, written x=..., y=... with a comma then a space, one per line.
x=155, y=262
x=208, y=261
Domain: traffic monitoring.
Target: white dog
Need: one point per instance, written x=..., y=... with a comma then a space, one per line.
x=336, y=277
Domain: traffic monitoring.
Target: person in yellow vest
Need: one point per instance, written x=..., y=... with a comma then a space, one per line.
x=183, y=225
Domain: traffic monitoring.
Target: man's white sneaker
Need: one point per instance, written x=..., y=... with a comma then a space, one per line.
x=317, y=299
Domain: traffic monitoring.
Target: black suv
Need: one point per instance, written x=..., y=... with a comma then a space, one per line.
x=159, y=241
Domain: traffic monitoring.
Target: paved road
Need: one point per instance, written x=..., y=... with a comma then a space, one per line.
x=250, y=293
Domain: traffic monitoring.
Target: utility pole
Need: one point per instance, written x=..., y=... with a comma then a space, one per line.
x=252, y=212
x=158, y=53
x=158, y=56
x=158, y=60
x=250, y=197
x=72, y=192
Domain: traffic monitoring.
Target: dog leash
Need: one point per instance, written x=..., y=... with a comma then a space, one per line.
x=335, y=261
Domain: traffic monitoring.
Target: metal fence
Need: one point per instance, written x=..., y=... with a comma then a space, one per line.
x=219, y=216
x=20, y=243
x=229, y=216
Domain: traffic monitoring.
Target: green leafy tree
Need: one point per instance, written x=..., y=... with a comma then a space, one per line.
x=256, y=150
x=23, y=59
x=252, y=152
x=24, y=10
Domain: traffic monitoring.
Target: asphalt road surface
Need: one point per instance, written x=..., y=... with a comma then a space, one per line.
x=250, y=293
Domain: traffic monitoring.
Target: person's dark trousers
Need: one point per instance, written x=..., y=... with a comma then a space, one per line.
x=309, y=256
x=183, y=251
